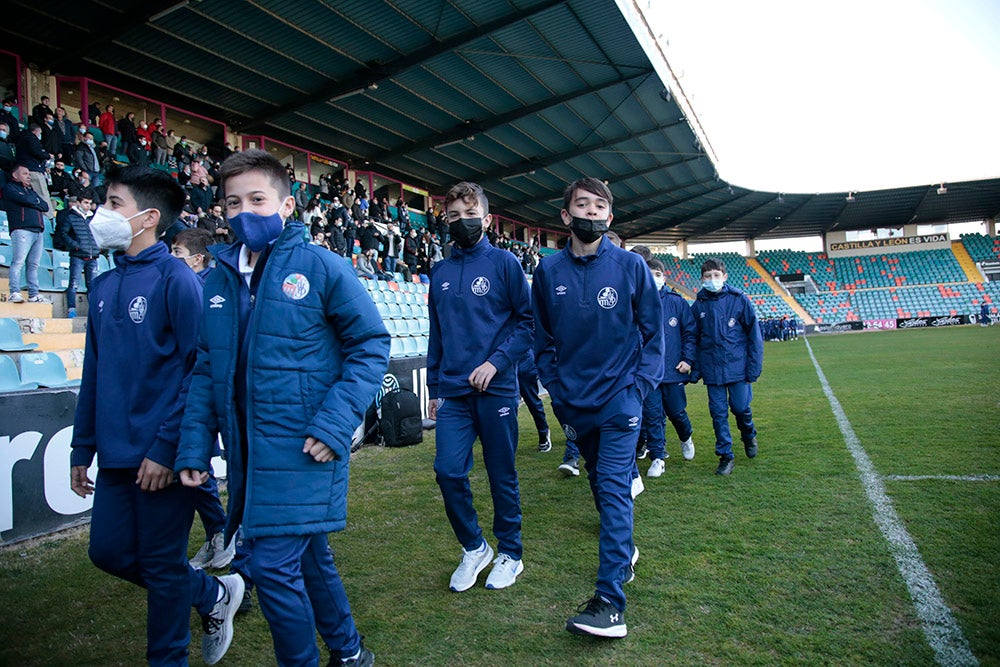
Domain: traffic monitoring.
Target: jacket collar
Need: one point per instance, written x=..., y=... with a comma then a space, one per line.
x=462, y=253
x=153, y=253
x=602, y=248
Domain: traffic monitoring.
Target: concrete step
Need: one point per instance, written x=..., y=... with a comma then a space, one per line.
x=20, y=310
x=50, y=342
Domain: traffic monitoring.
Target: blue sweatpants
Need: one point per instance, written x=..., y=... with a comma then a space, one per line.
x=607, y=441
x=209, y=507
x=736, y=397
x=143, y=538
x=667, y=401
x=494, y=420
x=301, y=593
x=241, y=561
x=528, y=385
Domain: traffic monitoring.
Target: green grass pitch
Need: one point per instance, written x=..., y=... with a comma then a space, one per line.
x=779, y=564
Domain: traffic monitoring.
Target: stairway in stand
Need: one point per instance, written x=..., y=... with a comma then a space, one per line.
x=65, y=337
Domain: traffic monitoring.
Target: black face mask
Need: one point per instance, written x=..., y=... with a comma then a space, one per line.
x=588, y=230
x=466, y=231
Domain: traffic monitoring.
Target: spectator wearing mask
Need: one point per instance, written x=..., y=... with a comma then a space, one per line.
x=201, y=196
x=127, y=133
x=369, y=237
x=73, y=232
x=411, y=252
x=32, y=154
x=8, y=118
x=480, y=328
x=86, y=159
x=160, y=149
x=68, y=131
x=7, y=159
x=368, y=268
x=392, y=247
x=730, y=359
x=182, y=151
x=338, y=210
x=62, y=183
x=25, y=209
x=217, y=225
x=108, y=126
x=335, y=239
x=359, y=190
x=52, y=139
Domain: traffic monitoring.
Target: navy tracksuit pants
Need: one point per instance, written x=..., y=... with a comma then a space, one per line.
x=528, y=385
x=300, y=594
x=736, y=397
x=143, y=538
x=493, y=419
x=606, y=440
x=667, y=401
x=209, y=507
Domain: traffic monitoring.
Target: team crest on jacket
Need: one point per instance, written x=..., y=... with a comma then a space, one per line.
x=672, y=321
x=732, y=321
x=480, y=286
x=607, y=298
x=569, y=431
x=295, y=286
x=137, y=309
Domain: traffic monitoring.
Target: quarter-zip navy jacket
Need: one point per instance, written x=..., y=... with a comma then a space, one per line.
x=730, y=345
x=679, y=335
x=142, y=334
x=598, y=326
x=480, y=310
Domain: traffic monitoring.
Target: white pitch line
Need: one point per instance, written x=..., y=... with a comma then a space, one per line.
x=947, y=478
x=943, y=634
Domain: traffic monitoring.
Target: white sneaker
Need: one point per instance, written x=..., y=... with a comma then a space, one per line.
x=631, y=565
x=38, y=298
x=473, y=562
x=223, y=554
x=218, y=624
x=15, y=297
x=570, y=468
x=204, y=557
x=656, y=468
x=687, y=449
x=637, y=487
x=504, y=572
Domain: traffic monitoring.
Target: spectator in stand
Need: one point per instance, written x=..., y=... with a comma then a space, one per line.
x=68, y=132
x=359, y=212
x=8, y=118
x=217, y=225
x=730, y=359
x=309, y=211
x=201, y=196
x=369, y=237
x=403, y=216
x=7, y=160
x=62, y=182
x=81, y=188
x=337, y=210
x=108, y=126
x=160, y=149
x=141, y=151
x=392, y=247
x=127, y=132
x=320, y=225
x=335, y=238
x=40, y=110
x=145, y=131
x=368, y=268
x=199, y=172
x=359, y=190
x=52, y=138
x=182, y=151
x=442, y=228
x=93, y=115
x=172, y=142
x=73, y=232
x=31, y=154
x=25, y=209
x=301, y=200
x=411, y=250
x=227, y=150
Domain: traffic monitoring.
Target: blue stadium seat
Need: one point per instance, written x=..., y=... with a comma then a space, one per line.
x=10, y=337
x=383, y=309
x=409, y=347
x=10, y=380
x=412, y=328
x=425, y=326
x=45, y=368
x=396, y=348
x=422, y=346
x=395, y=311
x=6, y=255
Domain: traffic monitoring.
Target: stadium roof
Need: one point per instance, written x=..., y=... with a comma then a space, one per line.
x=522, y=96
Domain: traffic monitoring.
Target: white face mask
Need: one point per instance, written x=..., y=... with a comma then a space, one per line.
x=712, y=285
x=111, y=230
x=659, y=282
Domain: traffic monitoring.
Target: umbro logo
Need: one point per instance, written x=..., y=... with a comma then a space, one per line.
x=445, y=286
x=504, y=411
x=217, y=301
x=561, y=290
x=633, y=422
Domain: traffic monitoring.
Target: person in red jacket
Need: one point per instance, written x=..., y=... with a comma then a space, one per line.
x=109, y=128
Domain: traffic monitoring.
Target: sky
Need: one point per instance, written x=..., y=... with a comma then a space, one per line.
x=818, y=96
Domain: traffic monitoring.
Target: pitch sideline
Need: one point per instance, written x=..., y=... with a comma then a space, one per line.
x=942, y=631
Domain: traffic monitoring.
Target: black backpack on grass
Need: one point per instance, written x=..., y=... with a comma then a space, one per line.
x=401, y=423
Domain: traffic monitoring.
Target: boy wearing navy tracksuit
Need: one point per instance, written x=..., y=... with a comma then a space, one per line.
x=599, y=351
x=730, y=359
x=669, y=398
x=527, y=382
x=480, y=328
x=291, y=351
x=140, y=349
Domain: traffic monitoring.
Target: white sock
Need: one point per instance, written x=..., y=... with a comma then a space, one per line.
x=354, y=657
x=221, y=594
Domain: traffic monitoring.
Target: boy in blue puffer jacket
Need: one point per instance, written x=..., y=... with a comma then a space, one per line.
x=669, y=398
x=730, y=359
x=291, y=352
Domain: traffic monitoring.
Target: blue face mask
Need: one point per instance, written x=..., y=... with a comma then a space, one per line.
x=713, y=285
x=257, y=231
x=3, y=134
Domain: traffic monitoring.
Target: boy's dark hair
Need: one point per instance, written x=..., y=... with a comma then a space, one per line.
x=256, y=160
x=643, y=252
x=655, y=264
x=587, y=184
x=713, y=264
x=466, y=190
x=195, y=240
x=151, y=188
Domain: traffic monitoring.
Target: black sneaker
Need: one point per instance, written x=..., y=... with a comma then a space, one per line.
x=365, y=659
x=247, y=604
x=750, y=447
x=544, y=442
x=598, y=618
x=641, y=452
x=725, y=466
